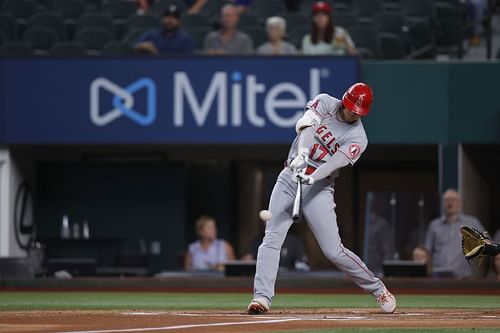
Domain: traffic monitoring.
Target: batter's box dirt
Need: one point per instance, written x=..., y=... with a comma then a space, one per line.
x=236, y=321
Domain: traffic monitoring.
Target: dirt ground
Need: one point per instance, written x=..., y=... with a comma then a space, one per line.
x=231, y=321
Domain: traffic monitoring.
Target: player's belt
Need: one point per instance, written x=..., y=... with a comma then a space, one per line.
x=309, y=169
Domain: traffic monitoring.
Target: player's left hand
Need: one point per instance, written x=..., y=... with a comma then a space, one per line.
x=304, y=179
x=299, y=162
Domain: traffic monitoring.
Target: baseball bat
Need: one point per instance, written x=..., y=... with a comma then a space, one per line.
x=297, y=202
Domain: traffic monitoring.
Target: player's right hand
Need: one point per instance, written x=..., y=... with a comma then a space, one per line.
x=299, y=162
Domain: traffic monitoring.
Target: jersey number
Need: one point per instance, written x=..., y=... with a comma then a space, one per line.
x=320, y=154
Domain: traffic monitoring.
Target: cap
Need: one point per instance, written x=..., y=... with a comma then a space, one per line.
x=322, y=6
x=172, y=10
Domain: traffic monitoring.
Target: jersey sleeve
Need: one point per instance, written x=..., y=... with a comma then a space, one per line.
x=353, y=147
x=322, y=105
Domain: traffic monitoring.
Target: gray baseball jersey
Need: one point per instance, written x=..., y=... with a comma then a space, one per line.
x=332, y=136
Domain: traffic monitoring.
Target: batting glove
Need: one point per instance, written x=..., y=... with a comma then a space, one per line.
x=300, y=161
x=304, y=179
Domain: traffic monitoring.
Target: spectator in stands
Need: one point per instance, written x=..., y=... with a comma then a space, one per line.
x=422, y=256
x=292, y=255
x=170, y=39
x=276, y=28
x=443, y=239
x=143, y=6
x=477, y=9
x=325, y=37
x=208, y=252
x=497, y=258
x=228, y=40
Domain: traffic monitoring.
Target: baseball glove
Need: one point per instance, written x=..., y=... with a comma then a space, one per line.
x=473, y=242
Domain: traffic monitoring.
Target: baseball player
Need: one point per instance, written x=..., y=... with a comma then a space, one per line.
x=330, y=136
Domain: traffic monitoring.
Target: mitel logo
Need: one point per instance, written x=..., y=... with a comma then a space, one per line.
x=283, y=102
x=123, y=102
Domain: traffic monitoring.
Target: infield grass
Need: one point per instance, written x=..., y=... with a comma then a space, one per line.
x=223, y=301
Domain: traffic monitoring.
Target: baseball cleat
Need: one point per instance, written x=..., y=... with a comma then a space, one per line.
x=386, y=301
x=257, y=306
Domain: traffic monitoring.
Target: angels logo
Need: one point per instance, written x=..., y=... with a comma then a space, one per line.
x=354, y=151
x=359, y=102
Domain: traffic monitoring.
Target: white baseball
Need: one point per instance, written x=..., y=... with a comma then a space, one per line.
x=265, y=215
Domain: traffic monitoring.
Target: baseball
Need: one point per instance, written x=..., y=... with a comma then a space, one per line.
x=265, y=215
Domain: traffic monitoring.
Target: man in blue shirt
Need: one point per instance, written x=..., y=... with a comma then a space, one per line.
x=170, y=39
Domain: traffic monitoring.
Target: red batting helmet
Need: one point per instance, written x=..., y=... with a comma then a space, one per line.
x=358, y=98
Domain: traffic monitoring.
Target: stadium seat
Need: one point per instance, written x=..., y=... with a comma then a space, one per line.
x=248, y=20
x=198, y=34
x=21, y=9
x=120, y=9
x=95, y=20
x=393, y=23
x=419, y=10
x=449, y=24
x=71, y=9
x=344, y=20
x=297, y=33
x=195, y=20
x=40, y=38
x=149, y=22
x=257, y=34
x=391, y=46
x=266, y=8
x=366, y=41
x=16, y=49
x=365, y=10
x=117, y=49
x=422, y=41
x=342, y=6
x=391, y=5
x=3, y=38
x=295, y=19
x=51, y=20
x=93, y=39
x=94, y=4
x=212, y=8
x=68, y=49
x=45, y=4
x=134, y=34
x=8, y=25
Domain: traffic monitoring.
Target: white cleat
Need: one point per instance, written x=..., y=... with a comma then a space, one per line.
x=257, y=306
x=386, y=301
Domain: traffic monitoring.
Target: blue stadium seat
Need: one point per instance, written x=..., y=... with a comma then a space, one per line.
x=120, y=9
x=71, y=9
x=95, y=20
x=21, y=9
x=116, y=48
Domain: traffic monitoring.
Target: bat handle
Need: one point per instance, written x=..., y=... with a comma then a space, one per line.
x=297, y=202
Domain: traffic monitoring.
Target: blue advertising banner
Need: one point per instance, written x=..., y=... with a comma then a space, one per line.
x=163, y=100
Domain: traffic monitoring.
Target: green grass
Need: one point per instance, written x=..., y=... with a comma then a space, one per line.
x=224, y=301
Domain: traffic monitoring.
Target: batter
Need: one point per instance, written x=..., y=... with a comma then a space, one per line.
x=330, y=136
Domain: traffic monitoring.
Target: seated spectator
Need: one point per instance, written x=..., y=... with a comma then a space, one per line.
x=208, y=252
x=422, y=256
x=228, y=40
x=325, y=37
x=143, y=6
x=170, y=39
x=497, y=257
x=276, y=28
x=292, y=255
x=443, y=239
x=477, y=9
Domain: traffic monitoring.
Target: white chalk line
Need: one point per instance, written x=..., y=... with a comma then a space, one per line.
x=178, y=327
